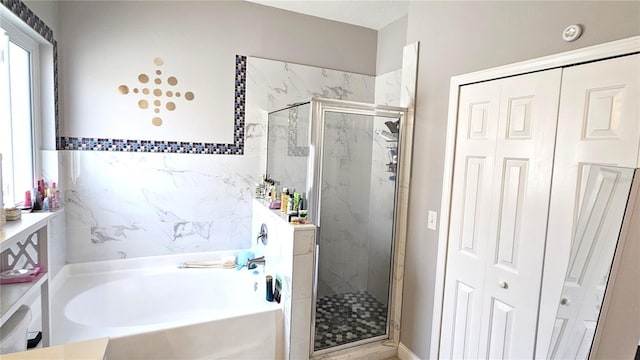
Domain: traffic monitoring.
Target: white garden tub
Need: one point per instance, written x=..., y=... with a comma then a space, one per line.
x=152, y=309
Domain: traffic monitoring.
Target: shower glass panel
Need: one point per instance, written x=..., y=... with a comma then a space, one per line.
x=288, y=146
x=357, y=199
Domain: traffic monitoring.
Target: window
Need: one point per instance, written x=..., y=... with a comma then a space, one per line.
x=19, y=63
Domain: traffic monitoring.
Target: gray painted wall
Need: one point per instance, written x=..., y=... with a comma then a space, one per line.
x=461, y=37
x=239, y=27
x=391, y=39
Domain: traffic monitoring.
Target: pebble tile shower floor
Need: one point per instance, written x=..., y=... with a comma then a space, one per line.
x=348, y=317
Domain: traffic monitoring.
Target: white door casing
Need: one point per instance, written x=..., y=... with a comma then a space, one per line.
x=502, y=174
x=598, y=123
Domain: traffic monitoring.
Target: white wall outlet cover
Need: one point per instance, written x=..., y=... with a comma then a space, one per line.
x=432, y=220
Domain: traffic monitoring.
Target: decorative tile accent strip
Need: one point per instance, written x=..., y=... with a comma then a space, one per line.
x=25, y=14
x=21, y=10
x=235, y=148
x=292, y=137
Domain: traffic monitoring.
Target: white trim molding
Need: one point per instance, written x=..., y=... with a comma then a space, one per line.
x=405, y=354
x=578, y=56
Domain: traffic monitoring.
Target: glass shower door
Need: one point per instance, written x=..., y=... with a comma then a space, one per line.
x=357, y=198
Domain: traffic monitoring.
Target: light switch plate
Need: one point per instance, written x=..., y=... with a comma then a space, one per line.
x=432, y=221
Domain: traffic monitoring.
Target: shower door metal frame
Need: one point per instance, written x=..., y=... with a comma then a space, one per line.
x=319, y=108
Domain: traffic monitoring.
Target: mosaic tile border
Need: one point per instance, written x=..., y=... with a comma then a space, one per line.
x=22, y=11
x=185, y=147
x=293, y=149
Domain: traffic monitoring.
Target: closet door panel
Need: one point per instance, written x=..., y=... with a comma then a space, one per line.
x=519, y=209
x=600, y=112
x=466, y=253
x=590, y=259
x=598, y=123
x=502, y=167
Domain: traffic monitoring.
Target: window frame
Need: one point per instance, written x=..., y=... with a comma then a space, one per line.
x=31, y=44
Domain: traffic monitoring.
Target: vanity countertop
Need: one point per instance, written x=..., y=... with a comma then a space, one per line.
x=89, y=350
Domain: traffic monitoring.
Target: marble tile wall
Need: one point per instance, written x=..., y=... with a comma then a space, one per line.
x=388, y=88
x=289, y=252
x=51, y=165
x=122, y=205
x=274, y=85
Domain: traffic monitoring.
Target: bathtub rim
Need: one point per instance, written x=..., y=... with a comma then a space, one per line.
x=147, y=262
x=150, y=263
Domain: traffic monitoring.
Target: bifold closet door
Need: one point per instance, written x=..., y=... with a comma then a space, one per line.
x=598, y=124
x=499, y=206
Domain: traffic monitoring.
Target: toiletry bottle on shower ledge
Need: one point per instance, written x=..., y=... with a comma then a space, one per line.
x=284, y=199
x=290, y=204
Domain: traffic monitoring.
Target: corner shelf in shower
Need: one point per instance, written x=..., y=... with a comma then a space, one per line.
x=392, y=146
x=14, y=295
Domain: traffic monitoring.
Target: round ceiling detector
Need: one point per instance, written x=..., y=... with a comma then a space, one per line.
x=572, y=32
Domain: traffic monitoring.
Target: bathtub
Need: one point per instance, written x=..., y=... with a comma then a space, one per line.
x=152, y=309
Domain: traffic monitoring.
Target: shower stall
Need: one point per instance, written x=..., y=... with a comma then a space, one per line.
x=344, y=158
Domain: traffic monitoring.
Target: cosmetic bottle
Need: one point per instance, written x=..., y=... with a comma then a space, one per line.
x=258, y=191
x=296, y=202
x=284, y=199
x=274, y=194
x=269, y=281
x=54, y=202
x=290, y=204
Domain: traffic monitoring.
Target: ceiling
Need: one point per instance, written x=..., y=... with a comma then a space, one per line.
x=370, y=14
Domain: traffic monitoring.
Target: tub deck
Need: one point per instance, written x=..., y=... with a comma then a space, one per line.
x=209, y=310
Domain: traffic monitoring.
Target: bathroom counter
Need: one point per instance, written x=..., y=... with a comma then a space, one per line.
x=90, y=349
x=14, y=231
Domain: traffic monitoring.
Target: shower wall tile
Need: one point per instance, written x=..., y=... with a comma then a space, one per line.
x=387, y=88
x=57, y=243
x=274, y=85
x=289, y=252
x=409, y=75
x=280, y=84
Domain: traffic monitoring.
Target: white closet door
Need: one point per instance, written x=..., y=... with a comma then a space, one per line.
x=519, y=208
x=472, y=182
x=602, y=208
x=598, y=123
x=502, y=175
